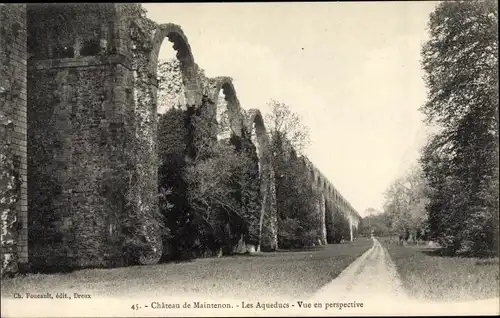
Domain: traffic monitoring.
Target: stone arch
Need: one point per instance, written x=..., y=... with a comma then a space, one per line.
x=268, y=217
x=225, y=84
x=254, y=117
x=189, y=69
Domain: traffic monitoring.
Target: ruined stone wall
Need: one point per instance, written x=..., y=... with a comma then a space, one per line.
x=84, y=182
x=144, y=187
x=269, y=240
x=336, y=206
x=71, y=150
x=322, y=215
x=329, y=221
x=171, y=92
x=255, y=127
x=13, y=165
x=92, y=122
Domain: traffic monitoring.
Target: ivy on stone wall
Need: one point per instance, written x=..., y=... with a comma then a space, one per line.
x=341, y=228
x=223, y=185
x=172, y=144
x=144, y=222
x=10, y=180
x=48, y=42
x=298, y=224
x=10, y=184
x=250, y=196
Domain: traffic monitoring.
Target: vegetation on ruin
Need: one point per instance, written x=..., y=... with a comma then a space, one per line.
x=105, y=213
x=341, y=228
x=10, y=179
x=9, y=192
x=213, y=185
x=172, y=139
x=223, y=186
x=299, y=223
x=214, y=188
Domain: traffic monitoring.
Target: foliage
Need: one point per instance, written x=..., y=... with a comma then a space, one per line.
x=298, y=224
x=341, y=228
x=284, y=122
x=223, y=188
x=212, y=186
x=380, y=224
x=9, y=195
x=460, y=161
x=214, y=183
x=172, y=138
x=10, y=179
x=405, y=202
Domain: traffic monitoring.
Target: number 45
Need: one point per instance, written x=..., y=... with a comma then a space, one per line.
x=135, y=307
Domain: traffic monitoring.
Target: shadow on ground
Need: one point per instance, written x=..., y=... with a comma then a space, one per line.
x=276, y=274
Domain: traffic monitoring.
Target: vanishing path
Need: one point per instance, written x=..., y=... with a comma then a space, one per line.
x=373, y=280
x=372, y=276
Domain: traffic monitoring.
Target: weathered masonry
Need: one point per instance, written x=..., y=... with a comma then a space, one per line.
x=78, y=125
x=331, y=201
x=13, y=140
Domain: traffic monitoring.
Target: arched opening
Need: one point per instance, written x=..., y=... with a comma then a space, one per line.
x=227, y=110
x=256, y=130
x=174, y=80
x=222, y=118
x=258, y=135
x=177, y=77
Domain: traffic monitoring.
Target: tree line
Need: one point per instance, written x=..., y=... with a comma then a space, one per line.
x=451, y=197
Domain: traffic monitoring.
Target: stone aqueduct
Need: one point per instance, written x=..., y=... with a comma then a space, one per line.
x=78, y=96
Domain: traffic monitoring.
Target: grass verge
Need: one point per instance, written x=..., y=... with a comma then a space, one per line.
x=428, y=276
x=278, y=274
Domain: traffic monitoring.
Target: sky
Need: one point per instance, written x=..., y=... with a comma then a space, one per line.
x=351, y=70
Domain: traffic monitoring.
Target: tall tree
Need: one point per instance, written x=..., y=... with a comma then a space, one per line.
x=405, y=202
x=283, y=124
x=298, y=225
x=461, y=160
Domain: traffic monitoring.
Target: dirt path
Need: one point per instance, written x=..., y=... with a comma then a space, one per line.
x=373, y=280
x=372, y=276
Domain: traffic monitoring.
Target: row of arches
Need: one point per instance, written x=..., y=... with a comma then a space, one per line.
x=251, y=122
x=219, y=95
x=92, y=156
x=328, y=190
